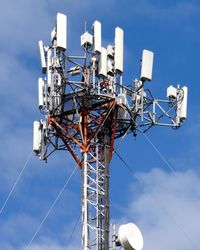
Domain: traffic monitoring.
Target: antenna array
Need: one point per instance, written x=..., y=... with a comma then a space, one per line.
x=87, y=106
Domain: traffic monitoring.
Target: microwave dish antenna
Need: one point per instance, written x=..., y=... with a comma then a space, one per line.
x=130, y=237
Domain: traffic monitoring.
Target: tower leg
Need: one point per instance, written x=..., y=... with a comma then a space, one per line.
x=85, y=228
x=95, y=197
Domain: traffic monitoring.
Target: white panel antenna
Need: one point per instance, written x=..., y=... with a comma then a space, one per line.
x=40, y=93
x=110, y=67
x=121, y=100
x=53, y=34
x=119, y=49
x=37, y=136
x=49, y=65
x=86, y=39
x=97, y=36
x=147, y=65
x=110, y=51
x=183, y=111
x=103, y=62
x=171, y=92
x=42, y=57
x=61, y=31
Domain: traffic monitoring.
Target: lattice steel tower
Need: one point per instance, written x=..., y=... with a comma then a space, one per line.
x=87, y=106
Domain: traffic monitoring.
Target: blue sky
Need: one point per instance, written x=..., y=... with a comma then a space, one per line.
x=165, y=204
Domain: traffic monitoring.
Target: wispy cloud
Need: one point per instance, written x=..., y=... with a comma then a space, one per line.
x=167, y=209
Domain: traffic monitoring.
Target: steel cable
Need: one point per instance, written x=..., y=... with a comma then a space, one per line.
x=16, y=182
x=73, y=231
x=51, y=208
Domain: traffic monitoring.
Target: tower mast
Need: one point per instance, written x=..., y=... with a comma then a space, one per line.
x=87, y=107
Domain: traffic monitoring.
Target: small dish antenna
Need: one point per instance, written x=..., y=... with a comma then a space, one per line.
x=130, y=237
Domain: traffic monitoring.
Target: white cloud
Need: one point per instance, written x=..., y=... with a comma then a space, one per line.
x=29, y=210
x=49, y=244
x=46, y=246
x=22, y=23
x=167, y=209
x=17, y=228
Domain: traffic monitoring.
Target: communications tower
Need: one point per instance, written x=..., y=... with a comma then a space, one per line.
x=87, y=106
